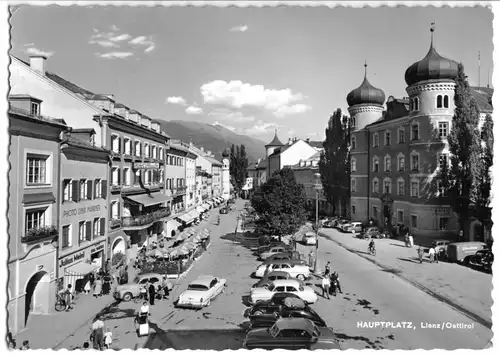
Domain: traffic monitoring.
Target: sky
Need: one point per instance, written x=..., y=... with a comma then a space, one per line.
x=252, y=70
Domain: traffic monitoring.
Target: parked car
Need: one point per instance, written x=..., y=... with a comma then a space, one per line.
x=343, y=224
x=306, y=293
x=291, y=308
x=131, y=290
x=291, y=334
x=330, y=223
x=372, y=232
x=270, y=277
x=293, y=267
x=309, y=238
x=440, y=246
x=274, y=250
x=482, y=259
x=201, y=291
x=289, y=255
x=461, y=252
x=275, y=301
x=356, y=227
x=223, y=210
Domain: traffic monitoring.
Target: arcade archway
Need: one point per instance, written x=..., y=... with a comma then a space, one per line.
x=37, y=295
x=119, y=246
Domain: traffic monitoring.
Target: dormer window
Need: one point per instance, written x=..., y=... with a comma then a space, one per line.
x=35, y=109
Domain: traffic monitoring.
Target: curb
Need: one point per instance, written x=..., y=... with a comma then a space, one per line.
x=484, y=322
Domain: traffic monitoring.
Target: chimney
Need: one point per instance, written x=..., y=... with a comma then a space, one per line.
x=39, y=64
x=202, y=150
x=308, y=140
x=295, y=139
x=290, y=141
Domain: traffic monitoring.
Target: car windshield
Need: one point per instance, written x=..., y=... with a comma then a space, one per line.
x=270, y=287
x=195, y=287
x=274, y=330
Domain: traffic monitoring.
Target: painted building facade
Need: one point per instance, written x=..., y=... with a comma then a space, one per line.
x=33, y=209
x=176, y=176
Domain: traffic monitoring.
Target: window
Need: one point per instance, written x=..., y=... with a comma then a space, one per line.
x=375, y=185
x=147, y=177
x=387, y=138
x=98, y=188
x=401, y=162
x=83, y=189
x=353, y=185
x=115, y=176
x=375, y=139
x=353, y=123
x=66, y=236
x=137, y=177
x=415, y=188
x=353, y=142
x=401, y=187
x=401, y=135
x=67, y=190
x=35, y=218
x=446, y=103
x=115, y=143
x=126, y=176
x=146, y=150
x=440, y=188
x=353, y=164
x=114, y=210
x=415, y=132
x=387, y=186
x=353, y=209
x=400, y=216
x=415, y=162
x=416, y=104
x=442, y=130
x=414, y=220
x=85, y=231
x=387, y=163
x=137, y=148
x=161, y=176
x=439, y=101
x=443, y=223
x=153, y=152
x=375, y=165
x=35, y=109
x=375, y=212
x=443, y=160
x=99, y=226
x=128, y=146
x=36, y=172
x=161, y=153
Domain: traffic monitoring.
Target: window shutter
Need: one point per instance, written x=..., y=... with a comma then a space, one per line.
x=89, y=189
x=110, y=211
x=102, y=223
x=124, y=178
x=76, y=190
x=119, y=176
x=88, y=230
x=104, y=188
x=119, y=144
x=95, y=188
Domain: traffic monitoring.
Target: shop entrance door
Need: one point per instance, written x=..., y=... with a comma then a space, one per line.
x=37, y=295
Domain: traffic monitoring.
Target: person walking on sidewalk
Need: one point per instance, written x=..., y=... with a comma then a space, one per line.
x=108, y=339
x=97, y=336
x=87, y=287
x=420, y=252
x=152, y=293
x=432, y=255
x=68, y=297
x=325, y=286
x=327, y=269
x=98, y=288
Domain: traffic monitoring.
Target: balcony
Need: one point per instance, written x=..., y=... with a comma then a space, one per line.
x=115, y=223
x=116, y=155
x=145, y=220
x=115, y=187
x=128, y=156
x=36, y=235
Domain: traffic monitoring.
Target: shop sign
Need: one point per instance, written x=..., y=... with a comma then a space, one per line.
x=97, y=248
x=146, y=166
x=73, y=258
x=81, y=210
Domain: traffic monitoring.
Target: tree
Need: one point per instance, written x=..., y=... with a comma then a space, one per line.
x=280, y=205
x=238, y=163
x=483, y=212
x=462, y=179
x=334, y=164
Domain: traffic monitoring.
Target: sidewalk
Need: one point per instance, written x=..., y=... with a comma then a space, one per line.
x=465, y=289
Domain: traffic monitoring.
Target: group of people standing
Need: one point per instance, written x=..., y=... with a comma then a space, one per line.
x=330, y=282
x=99, y=284
x=100, y=338
x=149, y=292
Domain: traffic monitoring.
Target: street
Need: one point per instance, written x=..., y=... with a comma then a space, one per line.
x=371, y=294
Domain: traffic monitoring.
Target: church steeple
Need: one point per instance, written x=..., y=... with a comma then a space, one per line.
x=275, y=143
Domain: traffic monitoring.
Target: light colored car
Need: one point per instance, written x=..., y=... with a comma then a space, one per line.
x=201, y=291
x=128, y=291
x=296, y=287
x=357, y=227
x=309, y=238
x=296, y=268
x=270, y=277
x=274, y=250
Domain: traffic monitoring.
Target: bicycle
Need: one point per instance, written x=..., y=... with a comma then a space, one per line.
x=61, y=302
x=372, y=251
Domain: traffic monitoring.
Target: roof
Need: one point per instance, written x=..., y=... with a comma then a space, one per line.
x=483, y=96
x=213, y=161
x=262, y=164
x=275, y=142
x=295, y=323
x=281, y=150
x=315, y=144
x=68, y=85
x=203, y=280
x=83, y=130
x=47, y=119
x=286, y=282
x=277, y=273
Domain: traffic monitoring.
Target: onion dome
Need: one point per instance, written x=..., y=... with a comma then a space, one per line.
x=432, y=66
x=366, y=93
x=225, y=153
x=275, y=142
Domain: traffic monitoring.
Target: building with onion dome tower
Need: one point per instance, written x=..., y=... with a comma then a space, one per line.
x=225, y=178
x=396, y=153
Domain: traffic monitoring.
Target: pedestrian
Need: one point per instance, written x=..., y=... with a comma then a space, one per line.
x=11, y=341
x=92, y=280
x=87, y=287
x=108, y=339
x=327, y=269
x=97, y=335
x=432, y=255
x=152, y=293
x=106, y=285
x=25, y=346
x=420, y=252
x=165, y=286
x=325, y=285
x=436, y=255
x=143, y=293
x=98, y=288
x=68, y=297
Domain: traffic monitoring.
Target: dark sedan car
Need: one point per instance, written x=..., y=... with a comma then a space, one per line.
x=291, y=334
x=223, y=210
x=275, y=301
x=292, y=308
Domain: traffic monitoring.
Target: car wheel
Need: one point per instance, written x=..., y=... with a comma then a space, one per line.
x=127, y=297
x=208, y=302
x=257, y=313
x=301, y=277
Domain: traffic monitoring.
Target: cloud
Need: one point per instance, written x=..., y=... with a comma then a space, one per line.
x=193, y=110
x=115, y=55
x=176, y=100
x=225, y=114
x=217, y=123
x=260, y=128
x=28, y=44
x=104, y=43
x=114, y=28
x=119, y=38
x=237, y=94
x=36, y=51
x=143, y=41
x=291, y=110
x=291, y=132
x=242, y=28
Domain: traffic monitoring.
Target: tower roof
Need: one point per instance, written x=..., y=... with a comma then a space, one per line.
x=366, y=93
x=275, y=142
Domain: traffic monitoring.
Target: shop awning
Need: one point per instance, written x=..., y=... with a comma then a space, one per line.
x=186, y=217
x=174, y=224
x=149, y=199
x=205, y=206
x=200, y=209
x=81, y=269
x=44, y=197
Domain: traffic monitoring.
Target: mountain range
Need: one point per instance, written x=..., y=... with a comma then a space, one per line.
x=212, y=137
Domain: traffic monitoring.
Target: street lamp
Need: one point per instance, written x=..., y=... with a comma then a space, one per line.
x=317, y=188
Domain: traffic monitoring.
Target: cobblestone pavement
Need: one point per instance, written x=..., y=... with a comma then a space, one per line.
x=468, y=289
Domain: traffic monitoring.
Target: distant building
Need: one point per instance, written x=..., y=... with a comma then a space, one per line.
x=288, y=155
